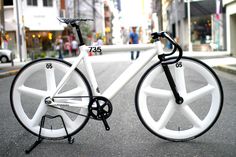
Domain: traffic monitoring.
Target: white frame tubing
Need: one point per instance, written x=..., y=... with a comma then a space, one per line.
x=125, y=77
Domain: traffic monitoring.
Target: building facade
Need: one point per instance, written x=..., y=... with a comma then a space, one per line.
x=230, y=7
x=98, y=10
x=207, y=29
x=39, y=27
x=36, y=22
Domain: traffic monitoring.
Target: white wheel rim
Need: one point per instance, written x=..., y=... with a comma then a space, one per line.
x=159, y=126
x=33, y=124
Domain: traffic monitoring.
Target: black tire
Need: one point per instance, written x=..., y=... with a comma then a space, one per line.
x=77, y=72
x=4, y=59
x=219, y=105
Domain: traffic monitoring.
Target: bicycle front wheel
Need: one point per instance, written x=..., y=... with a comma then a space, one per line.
x=203, y=100
x=34, y=83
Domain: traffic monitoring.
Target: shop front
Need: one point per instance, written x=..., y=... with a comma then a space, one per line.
x=40, y=43
x=201, y=33
x=207, y=26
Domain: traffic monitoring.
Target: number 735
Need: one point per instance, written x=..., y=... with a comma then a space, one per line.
x=95, y=49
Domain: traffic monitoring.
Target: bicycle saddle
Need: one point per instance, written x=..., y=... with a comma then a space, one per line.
x=72, y=21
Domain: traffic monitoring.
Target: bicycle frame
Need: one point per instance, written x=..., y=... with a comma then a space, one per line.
x=175, y=95
x=124, y=78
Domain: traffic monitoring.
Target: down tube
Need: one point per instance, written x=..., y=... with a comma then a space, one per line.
x=128, y=74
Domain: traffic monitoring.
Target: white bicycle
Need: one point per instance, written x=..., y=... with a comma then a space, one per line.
x=178, y=98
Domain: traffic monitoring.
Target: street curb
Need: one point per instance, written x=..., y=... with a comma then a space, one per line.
x=9, y=73
x=226, y=68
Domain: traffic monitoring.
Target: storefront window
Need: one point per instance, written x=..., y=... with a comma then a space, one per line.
x=40, y=40
x=201, y=30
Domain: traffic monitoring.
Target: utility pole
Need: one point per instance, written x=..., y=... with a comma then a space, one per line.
x=2, y=24
x=161, y=20
x=21, y=46
x=94, y=16
x=176, y=19
x=2, y=15
x=19, y=41
x=190, y=47
x=76, y=7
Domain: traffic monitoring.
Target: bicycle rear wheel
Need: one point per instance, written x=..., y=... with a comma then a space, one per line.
x=34, y=83
x=203, y=100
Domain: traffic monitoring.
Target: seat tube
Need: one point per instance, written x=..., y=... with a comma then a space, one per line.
x=87, y=62
x=90, y=71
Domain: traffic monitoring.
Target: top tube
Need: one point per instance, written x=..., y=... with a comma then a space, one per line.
x=124, y=48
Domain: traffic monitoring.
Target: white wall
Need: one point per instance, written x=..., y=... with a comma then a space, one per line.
x=231, y=27
x=10, y=22
x=227, y=1
x=40, y=17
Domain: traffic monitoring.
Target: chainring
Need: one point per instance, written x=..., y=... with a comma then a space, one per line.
x=100, y=108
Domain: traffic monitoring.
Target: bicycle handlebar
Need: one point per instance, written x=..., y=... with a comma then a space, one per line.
x=158, y=35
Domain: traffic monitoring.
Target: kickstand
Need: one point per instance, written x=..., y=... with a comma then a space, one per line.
x=40, y=139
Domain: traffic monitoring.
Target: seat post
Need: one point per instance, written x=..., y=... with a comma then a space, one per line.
x=79, y=35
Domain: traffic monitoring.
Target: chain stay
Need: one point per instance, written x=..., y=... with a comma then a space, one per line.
x=101, y=113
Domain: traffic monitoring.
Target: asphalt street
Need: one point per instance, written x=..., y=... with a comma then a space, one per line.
x=127, y=137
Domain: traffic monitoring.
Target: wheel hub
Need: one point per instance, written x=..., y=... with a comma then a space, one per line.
x=48, y=101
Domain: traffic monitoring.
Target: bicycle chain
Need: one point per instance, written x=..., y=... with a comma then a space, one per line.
x=100, y=112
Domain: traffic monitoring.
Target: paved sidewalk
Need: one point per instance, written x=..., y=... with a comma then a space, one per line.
x=8, y=71
x=219, y=60
x=228, y=68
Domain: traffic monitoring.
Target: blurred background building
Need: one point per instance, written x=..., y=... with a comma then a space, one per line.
x=207, y=25
x=33, y=25
x=230, y=7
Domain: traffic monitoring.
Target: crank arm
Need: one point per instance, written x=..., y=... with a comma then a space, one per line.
x=107, y=127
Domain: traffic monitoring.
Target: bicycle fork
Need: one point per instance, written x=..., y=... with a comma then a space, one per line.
x=178, y=99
